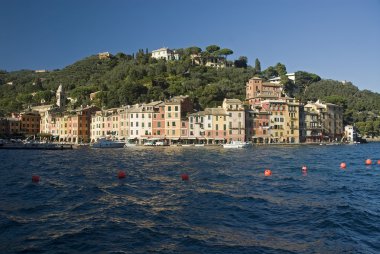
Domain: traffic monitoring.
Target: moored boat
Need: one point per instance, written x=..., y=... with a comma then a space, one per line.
x=237, y=144
x=108, y=143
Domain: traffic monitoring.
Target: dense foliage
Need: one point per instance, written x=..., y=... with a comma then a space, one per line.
x=128, y=79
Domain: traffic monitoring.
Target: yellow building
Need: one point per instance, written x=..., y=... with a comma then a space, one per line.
x=176, y=110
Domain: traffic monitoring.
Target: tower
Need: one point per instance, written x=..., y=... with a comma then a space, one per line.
x=61, y=98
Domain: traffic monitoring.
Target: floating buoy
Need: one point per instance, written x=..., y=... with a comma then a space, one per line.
x=304, y=168
x=368, y=162
x=267, y=172
x=185, y=177
x=121, y=174
x=378, y=162
x=35, y=179
x=343, y=165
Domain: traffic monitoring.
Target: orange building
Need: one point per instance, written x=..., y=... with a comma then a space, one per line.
x=257, y=91
x=29, y=122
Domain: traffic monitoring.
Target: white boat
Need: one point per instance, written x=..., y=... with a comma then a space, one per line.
x=108, y=143
x=130, y=143
x=237, y=144
x=149, y=143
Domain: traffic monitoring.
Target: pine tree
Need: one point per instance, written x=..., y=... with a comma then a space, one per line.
x=257, y=66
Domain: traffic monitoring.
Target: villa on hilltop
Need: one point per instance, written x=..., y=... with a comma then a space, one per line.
x=165, y=53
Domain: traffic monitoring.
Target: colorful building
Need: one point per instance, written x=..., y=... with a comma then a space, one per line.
x=236, y=119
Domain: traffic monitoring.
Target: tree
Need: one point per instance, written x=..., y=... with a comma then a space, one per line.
x=281, y=69
x=241, y=62
x=257, y=66
x=193, y=50
x=288, y=84
x=270, y=72
x=225, y=52
x=212, y=48
x=305, y=78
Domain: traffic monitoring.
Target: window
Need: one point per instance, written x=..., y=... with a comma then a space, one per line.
x=149, y=125
x=158, y=132
x=154, y=115
x=176, y=108
x=169, y=115
x=131, y=124
x=159, y=124
x=131, y=115
x=173, y=132
x=137, y=124
x=169, y=108
x=137, y=132
x=162, y=116
x=183, y=124
x=173, y=123
x=142, y=115
x=142, y=125
x=176, y=115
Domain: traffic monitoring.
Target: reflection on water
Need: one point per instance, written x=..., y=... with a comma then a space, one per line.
x=228, y=206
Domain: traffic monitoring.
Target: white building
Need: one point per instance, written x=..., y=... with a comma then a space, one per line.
x=277, y=80
x=165, y=53
x=350, y=133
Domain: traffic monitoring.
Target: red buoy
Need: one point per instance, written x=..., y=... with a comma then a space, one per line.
x=267, y=172
x=185, y=177
x=378, y=162
x=304, y=168
x=35, y=178
x=343, y=165
x=368, y=162
x=121, y=174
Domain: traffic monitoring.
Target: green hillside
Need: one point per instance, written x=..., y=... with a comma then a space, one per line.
x=127, y=79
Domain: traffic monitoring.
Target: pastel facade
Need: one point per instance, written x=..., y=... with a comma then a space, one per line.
x=105, y=123
x=158, y=121
x=176, y=110
x=324, y=120
x=350, y=133
x=197, y=128
x=236, y=119
x=29, y=122
x=257, y=91
x=258, y=125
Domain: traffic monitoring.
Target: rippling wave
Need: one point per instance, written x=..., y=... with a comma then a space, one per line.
x=227, y=206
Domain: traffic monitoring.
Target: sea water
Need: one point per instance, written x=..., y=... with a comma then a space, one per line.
x=227, y=205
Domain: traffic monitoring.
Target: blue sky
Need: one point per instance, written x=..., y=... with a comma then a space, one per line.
x=336, y=39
